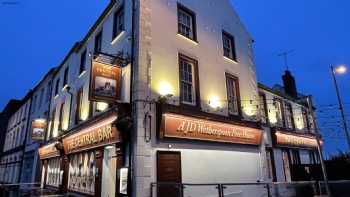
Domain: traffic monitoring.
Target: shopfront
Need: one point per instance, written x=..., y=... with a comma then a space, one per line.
x=206, y=149
x=297, y=155
x=94, y=158
x=52, y=171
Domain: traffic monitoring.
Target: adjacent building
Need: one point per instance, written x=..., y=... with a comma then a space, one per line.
x=38, y=118
x=290, y=133
x=12, y=156
x=161, y=93
x=11, y=107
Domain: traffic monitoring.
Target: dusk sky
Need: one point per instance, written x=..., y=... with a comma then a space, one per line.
x=35, y=35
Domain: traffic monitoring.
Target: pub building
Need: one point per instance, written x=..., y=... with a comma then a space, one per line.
x=291, y=143
x=86, y=160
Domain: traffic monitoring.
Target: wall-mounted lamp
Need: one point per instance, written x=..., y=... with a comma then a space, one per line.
x=214, y=102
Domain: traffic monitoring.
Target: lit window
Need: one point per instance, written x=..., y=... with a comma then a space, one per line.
x=186, y=22
x=187, y=81
x=232, y=94
x=289, y=116
x=82, y=62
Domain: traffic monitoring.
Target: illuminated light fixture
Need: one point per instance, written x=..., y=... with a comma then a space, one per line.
x=272, y=118
x=340, y=69
x=249, y=111
x=165, y=90
x=214, y=102
x=109, y=147
x=101, y=106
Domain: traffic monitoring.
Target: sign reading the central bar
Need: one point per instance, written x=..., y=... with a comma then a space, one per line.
x=295, y=140
x=105, y=82
x=178, y=126
x=92, y=137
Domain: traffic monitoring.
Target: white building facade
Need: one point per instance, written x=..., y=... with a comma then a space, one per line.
x=41, y=100
x=12, y=157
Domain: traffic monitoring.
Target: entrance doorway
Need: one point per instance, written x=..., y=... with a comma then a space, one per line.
x=109, y=172
x=169, y=171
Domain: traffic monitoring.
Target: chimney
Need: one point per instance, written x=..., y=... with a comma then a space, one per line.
x=289, y=84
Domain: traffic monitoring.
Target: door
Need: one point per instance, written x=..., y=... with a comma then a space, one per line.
x=109, y=172
x=169, y=171
x=286, y=165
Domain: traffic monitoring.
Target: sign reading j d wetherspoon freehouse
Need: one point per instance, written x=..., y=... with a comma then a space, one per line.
x=97, y=135
x=178, y=126
x=105, y=82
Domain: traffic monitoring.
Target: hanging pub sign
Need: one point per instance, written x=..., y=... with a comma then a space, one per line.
x=39, y=129
x=99, y=134
x=105, y=82
x=283, y=139
x=184, y=127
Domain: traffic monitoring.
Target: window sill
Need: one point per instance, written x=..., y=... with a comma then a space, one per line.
x=82, y=74
x=116, y=39
x=188, y=39
x=230, y=60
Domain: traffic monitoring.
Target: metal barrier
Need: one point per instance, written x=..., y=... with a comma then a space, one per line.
x=23, y=190
x=280, y=189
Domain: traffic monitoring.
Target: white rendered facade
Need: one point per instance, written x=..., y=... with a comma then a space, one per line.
x=11, y=159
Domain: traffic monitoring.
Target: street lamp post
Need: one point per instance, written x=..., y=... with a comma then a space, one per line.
x=341, y=70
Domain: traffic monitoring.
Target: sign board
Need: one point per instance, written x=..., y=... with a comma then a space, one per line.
x=123, y=181
x=49, y=151
x=283, y=139
x=105, y=82
x=99, y=134
x=179, y=126
x=39, y=127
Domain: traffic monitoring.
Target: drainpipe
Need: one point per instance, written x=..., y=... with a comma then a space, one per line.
x=132, y=66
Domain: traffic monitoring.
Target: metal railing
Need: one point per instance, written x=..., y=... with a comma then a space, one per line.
x=280, y=189
x=23, y=190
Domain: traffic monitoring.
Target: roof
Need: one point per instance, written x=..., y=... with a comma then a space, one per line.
x=78, y=45
x=278, y=90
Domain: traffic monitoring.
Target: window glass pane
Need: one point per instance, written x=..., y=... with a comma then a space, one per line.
x=187, y=88
x=232, y=95
x=185, y=23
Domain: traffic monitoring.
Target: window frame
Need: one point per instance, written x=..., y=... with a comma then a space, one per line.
x=263, y=104
x=57, y=86
x=195, y=81
x=98, y=42
x=82, y=66
x=233, y=51
x=116, y=22
x=78, y=103
x=61, y=116
x=289, y=108
x=280, y=116
x=237, y=92
x=192, y=14
x=65, y=76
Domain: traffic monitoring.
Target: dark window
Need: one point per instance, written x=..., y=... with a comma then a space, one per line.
x=186, y=22
x=118, y=22
x=57, y=86
x=229, y=46
x=98, y=42
x=233, y=97
x=187, y=80
x=82, y=67
x=48, y=92
x=79, y=103
x=91, y=109
x=296, y=157
x=289, y=116
x=65, y=78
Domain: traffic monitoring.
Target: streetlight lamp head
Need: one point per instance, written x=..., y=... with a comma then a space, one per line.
x=340, y=69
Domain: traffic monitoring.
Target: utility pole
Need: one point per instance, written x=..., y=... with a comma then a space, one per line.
x=319, y=147
x=341, y=107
